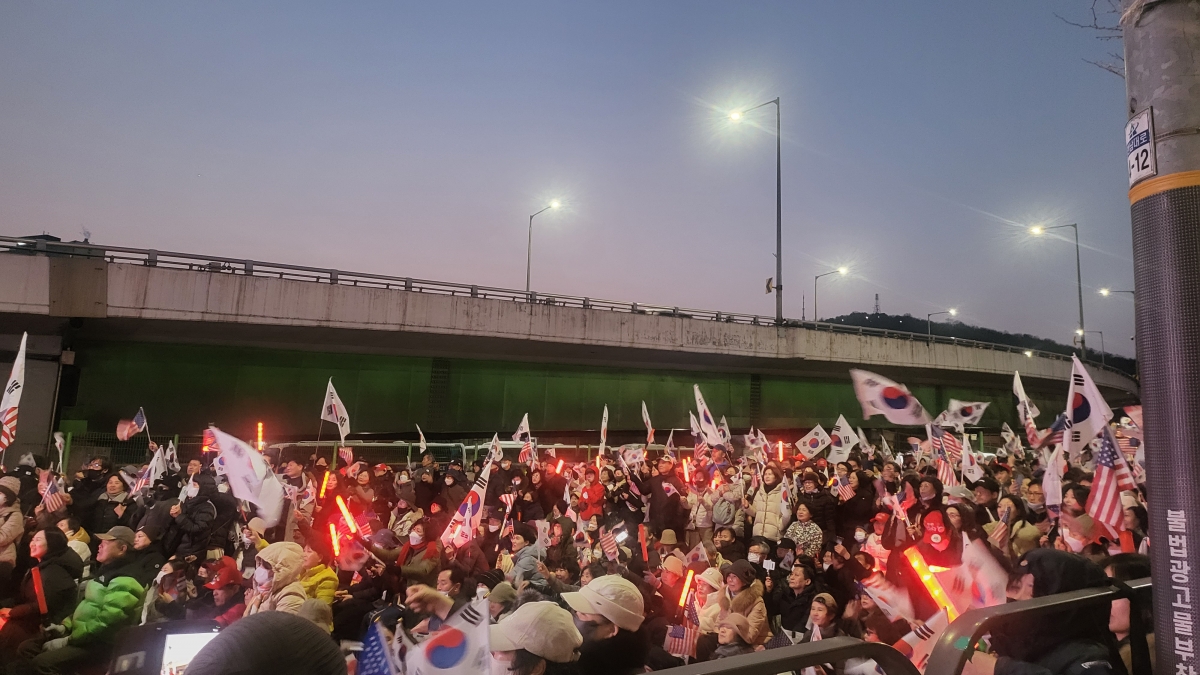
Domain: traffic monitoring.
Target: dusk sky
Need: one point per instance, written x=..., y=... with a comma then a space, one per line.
x=920, y=140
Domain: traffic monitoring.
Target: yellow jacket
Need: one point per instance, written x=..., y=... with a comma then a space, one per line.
x=320, y=583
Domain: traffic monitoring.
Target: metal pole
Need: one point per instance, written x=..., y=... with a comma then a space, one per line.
x=528, y=254
x=778, y=214
x=1079, y=286
x=816, y=317
x=1165, y=213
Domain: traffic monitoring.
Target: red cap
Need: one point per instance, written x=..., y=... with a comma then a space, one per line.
x=381, y=467
x=225, y=577
x=881, y=517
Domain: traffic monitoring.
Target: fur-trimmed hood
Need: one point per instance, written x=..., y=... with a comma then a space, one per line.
x=744, y=601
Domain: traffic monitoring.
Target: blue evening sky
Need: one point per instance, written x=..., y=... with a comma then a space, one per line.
x=919, y=140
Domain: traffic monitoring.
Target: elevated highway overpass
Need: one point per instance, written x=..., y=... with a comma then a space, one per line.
x=199, y=339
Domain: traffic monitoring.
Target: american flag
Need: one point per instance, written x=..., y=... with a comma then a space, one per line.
x=681, y=639
x=52, y=495
x=526, y=455
x=844, y=491
x=608, y=543
x=1050, y=437
x=8, y=427
x=945, y=441
x=945, y=473
x=508, y=498
x=347, y=455
x=1112, y=477
x=1129, y=442
x=361, y=521
x=507, y=529
x=375, y=657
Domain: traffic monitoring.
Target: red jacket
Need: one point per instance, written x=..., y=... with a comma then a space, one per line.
x=593, y=501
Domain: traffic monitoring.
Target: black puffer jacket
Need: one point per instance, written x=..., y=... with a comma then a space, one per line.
x=60, y=574
x=823, y=507
x=197, y=519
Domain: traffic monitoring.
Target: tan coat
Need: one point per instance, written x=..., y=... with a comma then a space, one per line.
x=286, y=559
x=769, y=521
x=749, y=603
x=12, y=528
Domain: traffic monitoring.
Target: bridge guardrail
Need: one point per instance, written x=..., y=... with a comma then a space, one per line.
x=956, y=644
x=259, y=268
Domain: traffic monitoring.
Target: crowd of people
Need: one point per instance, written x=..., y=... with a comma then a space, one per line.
x=619, y=568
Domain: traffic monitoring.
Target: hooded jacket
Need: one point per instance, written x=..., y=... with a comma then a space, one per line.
x=111, y=601
x=823, y=508
x=60, y=573
x=197, y=519
x=286, y=594
x=12, y=528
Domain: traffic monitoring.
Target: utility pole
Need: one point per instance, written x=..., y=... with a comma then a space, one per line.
x=1162, y=77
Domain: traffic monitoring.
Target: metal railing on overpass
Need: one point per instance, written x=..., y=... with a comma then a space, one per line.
x=259, y=268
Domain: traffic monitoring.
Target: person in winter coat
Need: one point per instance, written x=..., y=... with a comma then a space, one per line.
x=769, y=513
x=156, y=518
x=700, y=508
x=196, y=518
x=147, y=557
x=528, y=507
x=1060, y=642
x=455, y=490
x=727, y=503
x=417, y=559
x=744, y=595
x=276, y=582
x=12, y=528
x=821, y=504
x=319, y=581
x=805, y=532
x=734, y=637
x=791, y=600
x=1018, y=536
x=112, y=507
x=666, y=493
x=592, y=496
x=229, y=597
x=856, y=512
x=60, y=569
x=524, y=544
x=405, y=512
x=112, y=600
x=469, y=559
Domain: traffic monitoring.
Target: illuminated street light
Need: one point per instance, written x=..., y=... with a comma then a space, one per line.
x=554, y=204
x=1029, y=353
x=1039, y=230
x=929, y=320
x=841, y=270
x=736, y=116
x=1108, y=291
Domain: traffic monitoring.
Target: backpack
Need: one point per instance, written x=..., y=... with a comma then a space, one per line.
x=723, y=513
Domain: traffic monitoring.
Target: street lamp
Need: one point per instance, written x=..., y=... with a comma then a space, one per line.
x=929, y=320
x=554, y=204
x=1108, y=291
x=841, y=270
x=736, y=116
x=1080, y=333
x=1037, y=231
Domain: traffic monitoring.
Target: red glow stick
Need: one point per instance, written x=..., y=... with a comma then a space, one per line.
x=560, y=466
x=39, y=590
x=346, y=514
x=686, y=585
x=642, y=538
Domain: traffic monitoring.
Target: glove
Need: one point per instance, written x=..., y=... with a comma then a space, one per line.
x=55, y=630
x=56, y=643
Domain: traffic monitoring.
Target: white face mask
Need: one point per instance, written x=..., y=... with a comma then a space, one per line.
x=493, y=528
x=753, y=557
x=516, y=481
x=247, y=540
x=414, y=538
x=193, y=490
x=402, y=479
x=499, y=667
x=860, y=536
x=262, y=576
x=223, y=488
x=449, y=481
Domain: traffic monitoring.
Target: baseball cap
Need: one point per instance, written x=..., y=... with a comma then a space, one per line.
x=673, y=565
x=224, y=577
x=120, y=533
x=540, y=628
x=612, y=597
x=881, y=517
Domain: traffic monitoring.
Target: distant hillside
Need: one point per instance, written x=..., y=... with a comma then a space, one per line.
x=915, y=324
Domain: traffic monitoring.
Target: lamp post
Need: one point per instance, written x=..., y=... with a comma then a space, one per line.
x=1039, y=230
x=929, y=320
x=736, y=116
x=1108, y=291
x=1101, y=333
x=841, y=270
x=554, y=204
